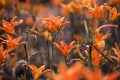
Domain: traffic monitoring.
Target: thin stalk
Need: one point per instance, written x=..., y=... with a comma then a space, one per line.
x=26, y=55
x=80, y=54
x=48, y=54
x=90, y=58
x=52, y=52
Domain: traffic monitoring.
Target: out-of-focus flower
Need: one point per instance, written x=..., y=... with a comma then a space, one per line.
x=2, y=7
x=29, y=21
x=67, y=8
x=72, y=7
x=39, y=9
x=115, y=1
x=9, y=27
x=53, y=24
x=27, y=5
x=77, y=7
x=75, y=72
x=37, y=72
x=0, y=77
x=47, y=35
x=86, y=3
x=98, y=75
x=3, y=54
x=64, y=48
x=56, y=2
x=12, y=43
x=2, y=11
x=113, y=14
x=2, y=2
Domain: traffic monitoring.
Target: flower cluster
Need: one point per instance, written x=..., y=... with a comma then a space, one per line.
x=36, y=42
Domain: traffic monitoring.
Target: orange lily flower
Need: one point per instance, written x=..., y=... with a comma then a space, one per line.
x=99, y=43
x=64, y=48
x=37, y=72
x=97, y=11
x=9, y=27
x=3, y=54
x=113, y=14
x=54, y=23
x=96, y=57
x=12, y=43
x=100, y=12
